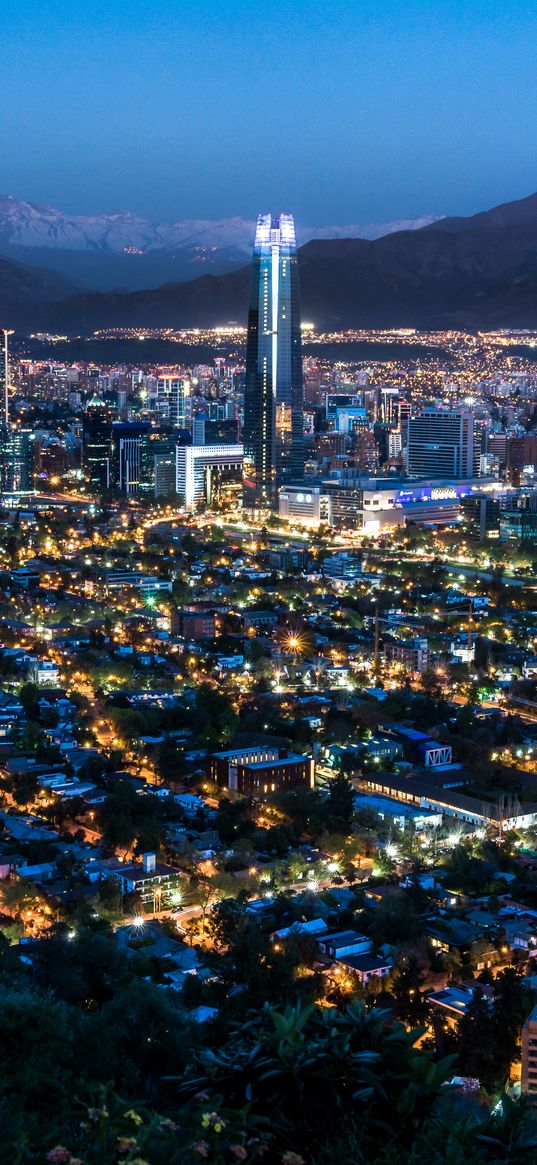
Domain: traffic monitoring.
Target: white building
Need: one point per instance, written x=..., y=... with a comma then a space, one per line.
x=197, y=465
x=306, y=504
x=170, y=396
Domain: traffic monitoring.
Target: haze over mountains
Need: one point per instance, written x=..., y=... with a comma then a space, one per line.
x=124, y=250
x=475, y=272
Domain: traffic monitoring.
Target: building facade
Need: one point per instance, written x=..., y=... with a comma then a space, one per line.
x=529, y=1056
x=97, y=444
x=17, y=460
x=273, y=431
x=4, y=376
x=260, y=770
x=441, y=443
x=202, y=471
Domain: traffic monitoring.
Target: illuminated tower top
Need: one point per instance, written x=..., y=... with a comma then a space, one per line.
x=275, y=232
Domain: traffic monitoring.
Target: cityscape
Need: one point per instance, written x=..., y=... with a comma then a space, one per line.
x=268, y=630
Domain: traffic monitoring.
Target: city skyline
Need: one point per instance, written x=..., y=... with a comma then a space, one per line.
x=185, y=113
x=268, y=583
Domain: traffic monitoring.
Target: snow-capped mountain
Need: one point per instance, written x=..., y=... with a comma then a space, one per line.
x=36, y=225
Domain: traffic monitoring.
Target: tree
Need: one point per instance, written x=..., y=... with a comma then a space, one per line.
x=340, y=803
x=478, y=1042
x=29, y=698
x=324, y=1076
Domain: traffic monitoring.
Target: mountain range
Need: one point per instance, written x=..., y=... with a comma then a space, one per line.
x=124, y=250
x=476, y=272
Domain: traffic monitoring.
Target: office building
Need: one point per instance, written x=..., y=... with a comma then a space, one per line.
x=441, y=443
x=412, y=653
x=207, y=430
x=518, y=522
x=17, y=460
x=170, y=398
x=306, y=505
x=528, y=1080
x=165, y=473
x=131, y=468
x=520, y=453
x=335, y=401
x=342, y=566
x=205, y=472
x=481, y=515
x=273, y=395
x=157, y=462
x=97, y=444
x=4, y=376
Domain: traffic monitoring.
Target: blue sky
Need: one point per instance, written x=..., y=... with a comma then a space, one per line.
x=348, y=111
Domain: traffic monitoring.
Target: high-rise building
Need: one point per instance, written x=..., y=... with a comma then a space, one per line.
x=528, y=1082
x=97, y=444
x=441, y=443
x=130, y=458
x=4, y=376
x=17, y=459
x=273, y=393
x=170, y=398
x=206, y=431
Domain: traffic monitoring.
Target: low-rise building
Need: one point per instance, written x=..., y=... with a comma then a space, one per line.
x=365, y=967
x=260, y=769
x=156, y=883
x=413, y=653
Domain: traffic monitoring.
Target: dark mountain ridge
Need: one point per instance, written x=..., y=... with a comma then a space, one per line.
x=20, y=284
x=474, y=273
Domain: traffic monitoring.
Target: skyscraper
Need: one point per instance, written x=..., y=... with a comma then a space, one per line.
x=273, y=394
x=17, y=454
x=4, y=377
x=97, y=444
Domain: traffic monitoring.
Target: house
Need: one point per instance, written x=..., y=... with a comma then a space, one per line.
x=156, y=883
x=344, y=942
x=452, y=1001
x=45, y=672
x=190, y=804
x=367, y=966
x=40, y=872
x=314, y=927
x=450, y=934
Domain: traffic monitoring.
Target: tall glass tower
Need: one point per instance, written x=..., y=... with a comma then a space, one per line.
x=4, y=377
x=273, y=394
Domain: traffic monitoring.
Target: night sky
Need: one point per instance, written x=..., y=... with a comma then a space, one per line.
x=349, y=111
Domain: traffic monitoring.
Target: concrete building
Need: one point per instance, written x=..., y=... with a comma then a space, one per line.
x=529, y=1056
x=273, y=391
x=261, y=769
x=413, y=653
x=343, y=565
x=352, y=500
x=441, y=443
x=201, y=469
x=304, y=503
x=156, y=883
